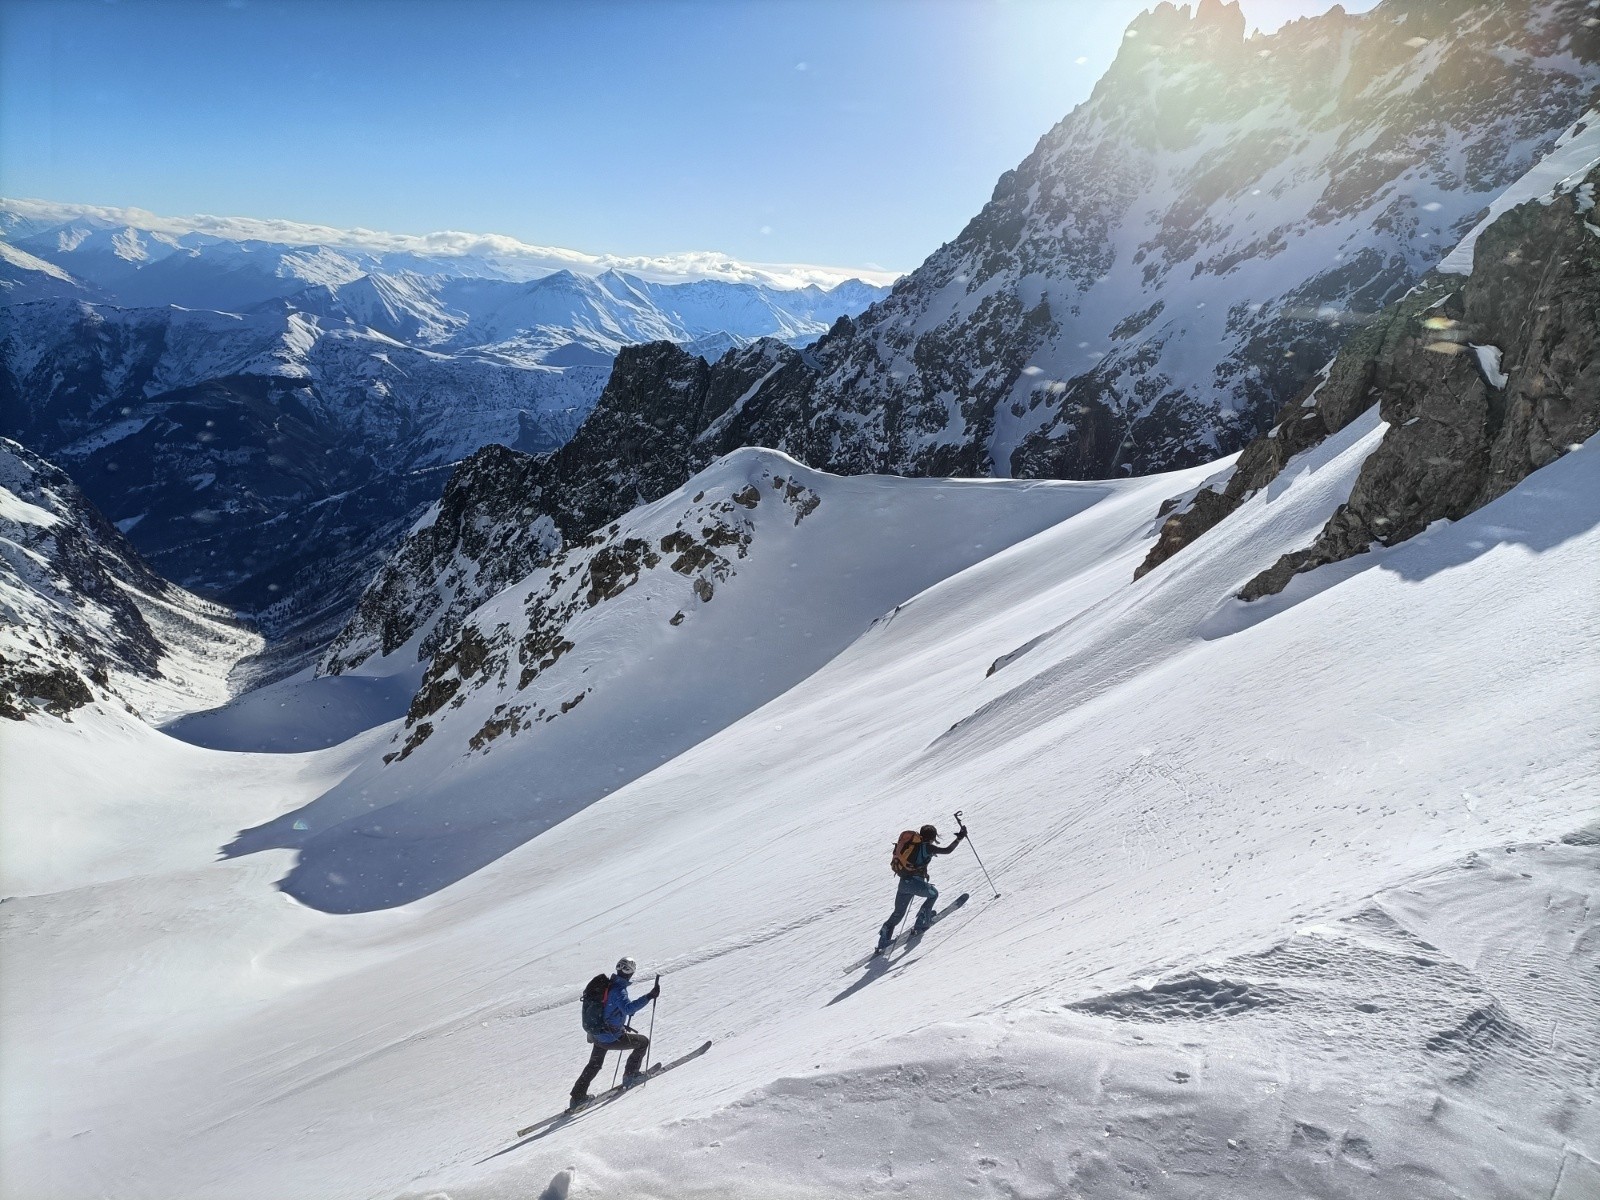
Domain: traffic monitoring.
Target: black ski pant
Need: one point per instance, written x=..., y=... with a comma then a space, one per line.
x=631, y=1040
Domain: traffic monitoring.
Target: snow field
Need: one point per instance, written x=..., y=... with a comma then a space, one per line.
x=657, y=667
x=1219, y=831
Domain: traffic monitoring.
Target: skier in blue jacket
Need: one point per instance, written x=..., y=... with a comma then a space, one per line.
x=914, y=882
x=617, y=1034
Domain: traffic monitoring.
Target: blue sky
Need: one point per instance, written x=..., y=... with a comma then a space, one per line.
x=839, y=132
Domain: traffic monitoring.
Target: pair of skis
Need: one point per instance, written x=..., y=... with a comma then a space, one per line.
x=612, y=1093
x=910, y=936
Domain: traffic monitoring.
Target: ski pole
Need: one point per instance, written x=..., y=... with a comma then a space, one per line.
x=962, y=825
x=651, y=1044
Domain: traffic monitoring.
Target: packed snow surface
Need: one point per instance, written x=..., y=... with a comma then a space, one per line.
x=1296, y=899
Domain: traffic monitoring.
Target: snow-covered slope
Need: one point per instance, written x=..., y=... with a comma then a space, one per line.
x=1180, y=254
x=671, y=622
x=1293, y=899
x=84, y=619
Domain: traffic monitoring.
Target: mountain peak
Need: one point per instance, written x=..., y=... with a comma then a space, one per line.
x=1170, y=26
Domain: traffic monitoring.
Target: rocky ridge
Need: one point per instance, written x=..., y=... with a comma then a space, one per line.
x=505, y=513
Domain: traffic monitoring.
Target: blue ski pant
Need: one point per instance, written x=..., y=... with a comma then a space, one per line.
x=911, y=886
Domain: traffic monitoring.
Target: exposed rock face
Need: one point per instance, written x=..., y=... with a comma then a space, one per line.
x=1169, y=265
x=82, y=617
x=485, y=532
x=1514, y=387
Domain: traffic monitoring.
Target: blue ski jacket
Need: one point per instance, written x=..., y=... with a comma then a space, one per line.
x=618, y=1009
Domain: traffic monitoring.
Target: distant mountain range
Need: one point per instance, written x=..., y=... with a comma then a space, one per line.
x=220, y=397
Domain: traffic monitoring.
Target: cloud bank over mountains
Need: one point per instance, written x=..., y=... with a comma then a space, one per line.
x=511, y=258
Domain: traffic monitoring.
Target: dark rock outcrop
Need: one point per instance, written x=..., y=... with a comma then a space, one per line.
x=1350, y=386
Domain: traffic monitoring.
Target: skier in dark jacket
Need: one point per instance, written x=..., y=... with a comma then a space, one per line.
x=617, y=1034
x=914, y=882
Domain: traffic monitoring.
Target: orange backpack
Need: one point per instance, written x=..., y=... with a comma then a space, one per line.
x=908, y=841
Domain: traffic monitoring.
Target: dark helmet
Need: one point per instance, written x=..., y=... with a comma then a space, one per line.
x=929, y=833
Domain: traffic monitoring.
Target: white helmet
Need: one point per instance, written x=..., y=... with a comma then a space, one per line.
x=626, y=966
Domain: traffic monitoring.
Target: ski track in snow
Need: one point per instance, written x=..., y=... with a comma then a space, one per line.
x=1287, y=908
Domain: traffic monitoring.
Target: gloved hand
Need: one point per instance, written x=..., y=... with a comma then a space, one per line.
x=961, y=833
x=655, y=992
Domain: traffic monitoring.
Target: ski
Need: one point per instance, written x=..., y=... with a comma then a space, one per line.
x=910, y=935
x=612, y=1093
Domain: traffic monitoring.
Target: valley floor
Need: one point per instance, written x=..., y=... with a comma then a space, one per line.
x=1299, y=898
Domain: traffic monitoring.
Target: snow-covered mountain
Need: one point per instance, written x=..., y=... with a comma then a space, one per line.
x=219, y=395
x=1484, y=372
x=270, y=248
x=84, y=619
x=533, y=313
x=1179, y=255
x=1297, y=895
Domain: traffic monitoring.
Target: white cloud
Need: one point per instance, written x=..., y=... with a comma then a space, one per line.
x=508, y=255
